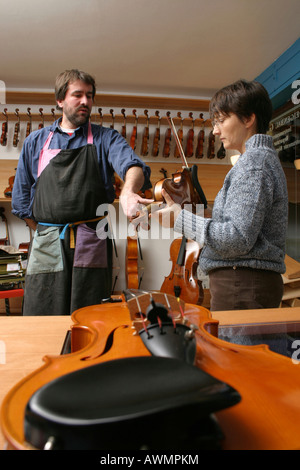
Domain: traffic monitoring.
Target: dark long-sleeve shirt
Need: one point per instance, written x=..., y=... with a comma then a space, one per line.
x=114, y=155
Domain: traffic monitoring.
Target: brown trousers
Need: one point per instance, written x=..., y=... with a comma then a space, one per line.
x=244, y=288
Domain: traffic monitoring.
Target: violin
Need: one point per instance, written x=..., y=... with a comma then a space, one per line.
x=17, y=129
x=4, y=129
x=200, y=141
x=53, y=114
x=251, y=391
x=156, y=138
x=167, y=143
x=180, y=137
x=123, y=131
x=9, y=189
x=144, y=147
x=29, y=123
x=133, y=250
x=190, y=139
x=101, y=116
x=112, y=126
x=211, y=145
x=182, y=281
x=183, y=186
x=41, y=124
x=134, y=132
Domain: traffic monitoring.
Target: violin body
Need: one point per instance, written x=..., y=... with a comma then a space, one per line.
x=266, y=417
x=181, y=281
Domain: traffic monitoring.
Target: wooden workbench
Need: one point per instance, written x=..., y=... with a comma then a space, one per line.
x=24, y=341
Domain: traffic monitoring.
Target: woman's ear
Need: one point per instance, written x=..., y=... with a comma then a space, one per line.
x=250, y=122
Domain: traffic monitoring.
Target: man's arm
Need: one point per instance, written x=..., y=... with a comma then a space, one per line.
x=31, y=223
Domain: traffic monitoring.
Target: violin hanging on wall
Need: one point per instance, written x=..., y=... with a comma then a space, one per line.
x=41, y=124
x=211, y=146
x=17, y=129
x=200, y=143
x=4, y=129
x=134, y=132
x=145, y=140
x=190, y=140
x=167, y=143
x=29, y=123
x=156, y=138
x=180, y=137
x=123, y=131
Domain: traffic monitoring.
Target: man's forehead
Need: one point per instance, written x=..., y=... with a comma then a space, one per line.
x=80, y=86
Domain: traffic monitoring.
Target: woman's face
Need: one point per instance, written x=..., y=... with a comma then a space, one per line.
x=233, y=132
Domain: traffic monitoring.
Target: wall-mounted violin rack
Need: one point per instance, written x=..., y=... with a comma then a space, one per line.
x=146, y=130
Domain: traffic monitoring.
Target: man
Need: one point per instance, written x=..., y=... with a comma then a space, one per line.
x=65, y=172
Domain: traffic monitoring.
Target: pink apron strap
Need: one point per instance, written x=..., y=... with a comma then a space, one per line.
x=90, y=135
x=47, y=154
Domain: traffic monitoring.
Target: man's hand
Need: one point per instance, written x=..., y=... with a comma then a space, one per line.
x=133, y=204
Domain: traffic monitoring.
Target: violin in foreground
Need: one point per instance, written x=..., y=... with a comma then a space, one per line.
x=149, y=372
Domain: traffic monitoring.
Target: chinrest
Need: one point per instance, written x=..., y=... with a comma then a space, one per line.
x=129, y=403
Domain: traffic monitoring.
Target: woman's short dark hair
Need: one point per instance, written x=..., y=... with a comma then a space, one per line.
x=244, y=98
x=69, y=76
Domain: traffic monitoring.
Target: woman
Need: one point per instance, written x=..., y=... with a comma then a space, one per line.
x=243, y=243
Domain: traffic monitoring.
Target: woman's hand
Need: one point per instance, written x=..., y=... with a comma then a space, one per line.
x=169, y=213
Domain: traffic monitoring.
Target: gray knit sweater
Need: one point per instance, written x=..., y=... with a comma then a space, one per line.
x=250, y=214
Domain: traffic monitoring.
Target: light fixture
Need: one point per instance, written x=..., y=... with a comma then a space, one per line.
x=297, y=163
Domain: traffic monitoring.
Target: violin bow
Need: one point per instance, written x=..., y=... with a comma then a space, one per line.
x=182, y=155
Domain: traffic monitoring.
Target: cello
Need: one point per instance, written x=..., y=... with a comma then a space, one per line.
x=251, y=391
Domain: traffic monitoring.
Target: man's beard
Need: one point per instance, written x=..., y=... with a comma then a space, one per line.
x=78, y=119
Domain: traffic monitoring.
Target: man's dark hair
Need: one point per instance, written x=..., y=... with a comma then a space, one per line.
x=244, y=98
x=69, y=76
